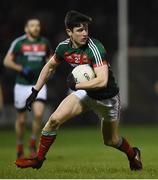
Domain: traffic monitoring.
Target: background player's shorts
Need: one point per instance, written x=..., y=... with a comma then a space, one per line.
x=107, y=109
x=22, y=92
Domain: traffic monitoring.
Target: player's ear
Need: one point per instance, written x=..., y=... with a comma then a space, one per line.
x=69, y=32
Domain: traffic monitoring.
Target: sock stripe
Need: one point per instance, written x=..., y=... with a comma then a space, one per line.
x=119, y=142
x=46, y=133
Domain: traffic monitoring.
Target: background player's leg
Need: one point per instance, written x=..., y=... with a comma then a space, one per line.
x=68, y=108
x=38, y=110
x=19, y=128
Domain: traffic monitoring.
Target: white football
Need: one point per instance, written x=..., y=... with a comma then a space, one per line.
x=83, y=73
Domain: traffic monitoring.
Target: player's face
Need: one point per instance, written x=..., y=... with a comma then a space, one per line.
x=79, y=35
x=33, y=28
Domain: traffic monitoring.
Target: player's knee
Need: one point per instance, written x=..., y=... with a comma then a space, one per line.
x=20, y=121
x=110, y=141
x=54, y=120
x=38, y=116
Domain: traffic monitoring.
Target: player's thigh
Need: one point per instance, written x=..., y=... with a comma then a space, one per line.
x=38, y=108
x=110, y=120
x=110, y=110
x=71, y=106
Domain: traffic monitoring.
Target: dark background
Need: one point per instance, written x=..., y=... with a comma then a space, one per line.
x=142, y=32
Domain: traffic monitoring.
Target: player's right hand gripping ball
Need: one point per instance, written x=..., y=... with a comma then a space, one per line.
x=31, y=99
x=71, y=82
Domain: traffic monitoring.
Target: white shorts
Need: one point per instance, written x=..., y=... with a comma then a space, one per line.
x=107, y=109
x=22, y=92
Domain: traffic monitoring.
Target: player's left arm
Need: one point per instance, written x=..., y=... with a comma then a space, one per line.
x=99, y=81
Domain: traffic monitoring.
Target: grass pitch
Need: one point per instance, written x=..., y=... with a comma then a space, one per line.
x=80, y=153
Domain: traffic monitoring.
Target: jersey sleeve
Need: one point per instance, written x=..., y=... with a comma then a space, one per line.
x=98, y=53
x=14, y=48
x=59, y=53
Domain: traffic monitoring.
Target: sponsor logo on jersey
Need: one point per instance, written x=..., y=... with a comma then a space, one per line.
x=34, y=50
x=33, y=47
x=74, y=58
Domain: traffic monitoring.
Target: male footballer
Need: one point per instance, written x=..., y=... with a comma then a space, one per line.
x=27, y=55
x=100, y=94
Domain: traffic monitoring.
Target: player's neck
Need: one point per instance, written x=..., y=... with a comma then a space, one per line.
x=31, y=38
x=74, y=45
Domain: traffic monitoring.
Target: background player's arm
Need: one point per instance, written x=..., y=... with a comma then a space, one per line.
x=99, y=81
x=9, y=62
x=45, y=72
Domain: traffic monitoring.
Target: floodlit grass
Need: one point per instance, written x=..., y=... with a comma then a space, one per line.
x=80, y=153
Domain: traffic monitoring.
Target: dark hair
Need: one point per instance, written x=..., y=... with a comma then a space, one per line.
x=75, y=19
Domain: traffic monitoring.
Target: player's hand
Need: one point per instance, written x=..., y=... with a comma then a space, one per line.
x=27, y=73
x=31, y=99
x=71, y=82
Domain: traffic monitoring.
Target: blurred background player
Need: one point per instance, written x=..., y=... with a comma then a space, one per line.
x=1, y=89
x=27, y=55
x=100, y=94
x=1, y=99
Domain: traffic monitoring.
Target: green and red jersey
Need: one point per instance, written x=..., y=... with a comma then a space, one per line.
x=94, y=54
x=31, y=54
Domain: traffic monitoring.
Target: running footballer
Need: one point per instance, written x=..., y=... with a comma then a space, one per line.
x=100, y=94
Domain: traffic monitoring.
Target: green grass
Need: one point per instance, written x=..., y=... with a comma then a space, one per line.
x=79, y=153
